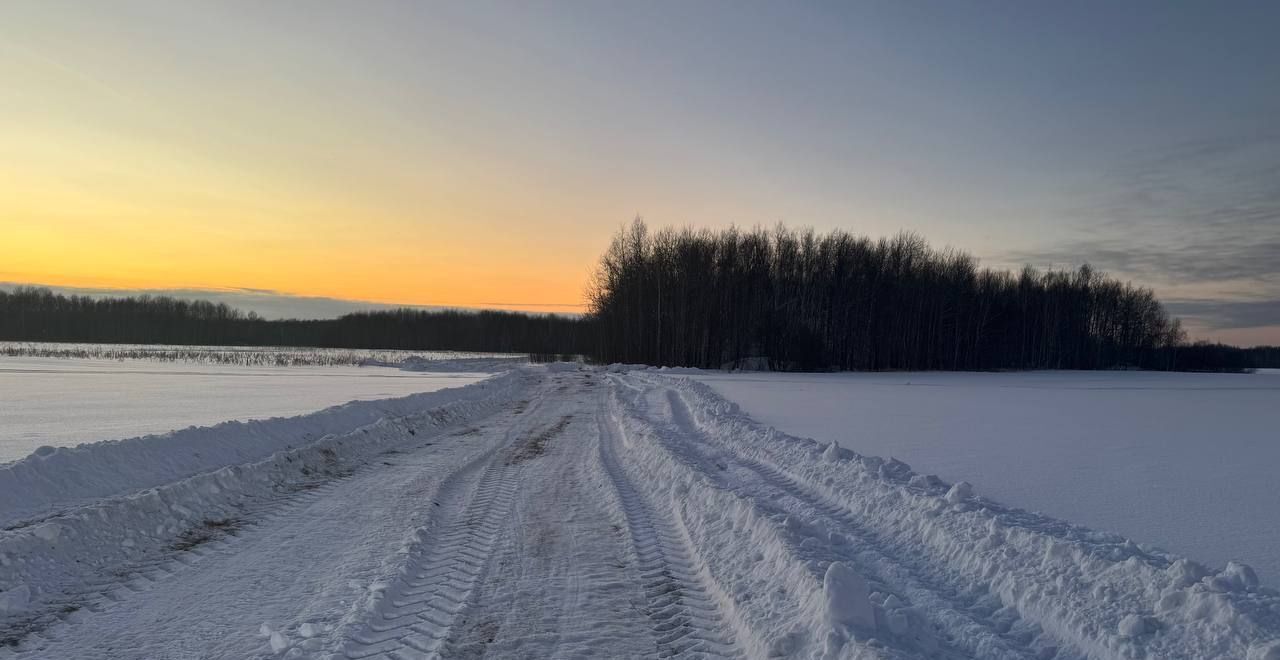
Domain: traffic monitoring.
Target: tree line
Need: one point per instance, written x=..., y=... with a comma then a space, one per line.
x=32, y=314
x=782, y=298
x=797, y=299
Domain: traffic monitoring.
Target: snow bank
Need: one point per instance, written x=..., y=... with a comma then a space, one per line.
x=52, y=480
x=1099, y=594
x=46, y=564
x=775, y=605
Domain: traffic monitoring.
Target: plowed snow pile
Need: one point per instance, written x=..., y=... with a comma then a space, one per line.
x=570, y=512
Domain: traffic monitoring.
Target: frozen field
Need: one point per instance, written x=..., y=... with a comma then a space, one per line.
x=245, y=356
x=63, y=402
x=1187, y=462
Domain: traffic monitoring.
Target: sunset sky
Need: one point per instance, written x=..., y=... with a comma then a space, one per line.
x=481, y=154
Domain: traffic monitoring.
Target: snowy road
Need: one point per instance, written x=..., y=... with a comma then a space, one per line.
x=558, y=514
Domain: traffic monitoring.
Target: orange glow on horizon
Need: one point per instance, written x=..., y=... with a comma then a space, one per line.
x=119, y=170
x=70, y=217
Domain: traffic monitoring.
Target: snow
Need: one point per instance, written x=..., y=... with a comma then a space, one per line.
x=976, y=578
x=53, y=479
x=248, y=356
x=958, y=493
x=1133, y=625
x=138, y=532
x=1185, y=462
x=65, y=402
x=848, y=599
x=578, y=512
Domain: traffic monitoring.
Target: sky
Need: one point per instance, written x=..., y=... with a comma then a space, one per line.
x=303, y=156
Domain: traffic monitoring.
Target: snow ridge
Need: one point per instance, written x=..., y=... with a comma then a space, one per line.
x=52, y=480
x=685, y=614
x=48, y=568
x=776, y=606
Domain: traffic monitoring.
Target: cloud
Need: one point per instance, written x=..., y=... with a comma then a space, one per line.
x=1192, y=263
x=1227, y=314
x=1200, y=213
x=1199, y=223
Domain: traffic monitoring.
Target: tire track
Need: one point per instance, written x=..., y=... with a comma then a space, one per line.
x=418, y=615
x=958, y=616
x=212, y=540
x=686, y=620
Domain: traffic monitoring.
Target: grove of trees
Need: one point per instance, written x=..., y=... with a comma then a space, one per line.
x=803, y=300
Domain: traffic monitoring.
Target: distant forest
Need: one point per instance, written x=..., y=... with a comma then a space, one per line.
x=781, y=299
x=806, y=301
x=30, y=314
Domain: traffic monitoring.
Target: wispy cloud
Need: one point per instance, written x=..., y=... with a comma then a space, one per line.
x=1227, y=314
x=1201, y=217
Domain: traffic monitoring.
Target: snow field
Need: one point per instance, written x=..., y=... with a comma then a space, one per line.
x=1180, y=461
x=1054, y=588
x=249, y=356
x=563, y=511
x=46, y=565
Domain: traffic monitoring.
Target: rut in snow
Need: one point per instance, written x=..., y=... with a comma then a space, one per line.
x=417, y=615
x=686, y=620
x=932, y=618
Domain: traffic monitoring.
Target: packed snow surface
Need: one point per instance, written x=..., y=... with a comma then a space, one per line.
x=1187, y=462
x=555, y=512
x=64, y=402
